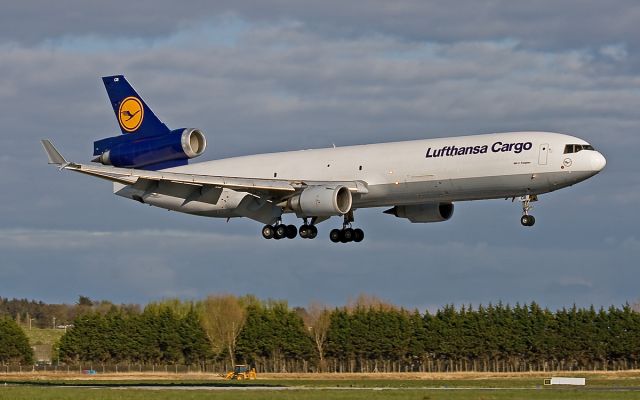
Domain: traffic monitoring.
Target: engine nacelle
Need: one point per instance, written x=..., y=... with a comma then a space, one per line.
x=422, y=213
x=321, y=201
x=179, y=144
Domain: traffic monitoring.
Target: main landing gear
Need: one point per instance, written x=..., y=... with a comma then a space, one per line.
x=526, y=219
x=308, y=230
x=346, y=234
x=281, y=231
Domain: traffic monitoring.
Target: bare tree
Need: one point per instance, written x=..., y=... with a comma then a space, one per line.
x=318, y=318
x=367, y=301
x=223, y=317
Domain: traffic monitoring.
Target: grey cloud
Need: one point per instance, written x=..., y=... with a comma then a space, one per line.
x=192, y=264
x=230, y=92
x=547, y=24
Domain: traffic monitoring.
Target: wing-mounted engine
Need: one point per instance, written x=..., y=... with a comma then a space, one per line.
x=321, y=201
x=423, y=213
x=130, y=151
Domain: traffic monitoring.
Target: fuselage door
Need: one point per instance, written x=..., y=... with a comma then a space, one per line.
x=544, y=154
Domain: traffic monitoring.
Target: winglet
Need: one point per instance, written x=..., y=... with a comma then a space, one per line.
x=54, y=155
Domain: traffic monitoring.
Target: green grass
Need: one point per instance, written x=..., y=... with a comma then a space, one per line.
x=329, y=389
x=54, y=393
x=43, y=336
x=347, y=384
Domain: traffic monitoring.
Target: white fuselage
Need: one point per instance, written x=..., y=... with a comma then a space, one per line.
x=449, y=169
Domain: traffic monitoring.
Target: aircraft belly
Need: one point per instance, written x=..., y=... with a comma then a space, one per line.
x=461, y=189
x=233, y=204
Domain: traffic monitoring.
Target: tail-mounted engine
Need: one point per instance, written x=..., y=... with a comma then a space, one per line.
x=128, y=151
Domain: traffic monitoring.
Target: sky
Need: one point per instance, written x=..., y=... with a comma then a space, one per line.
x=286, y=75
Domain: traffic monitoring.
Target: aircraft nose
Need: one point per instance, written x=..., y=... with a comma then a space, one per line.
x=598, y=161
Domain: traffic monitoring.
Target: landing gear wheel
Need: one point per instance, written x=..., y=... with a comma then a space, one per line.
x=308, y=231
x=268, y=232
x=527, y=220
x=304, y=231
x=358, y=235
x=313, y=232
x=292, y=231
x=280, y=231
x=335, y=235
x=347, y=235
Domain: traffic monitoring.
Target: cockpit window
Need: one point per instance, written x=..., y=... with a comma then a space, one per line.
x=574, y=148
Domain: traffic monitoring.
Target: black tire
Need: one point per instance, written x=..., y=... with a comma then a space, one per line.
x=335, y=235
x=347, y=235
x=292, y=231
x=313, y=232
x=268, y=232
x=280, y=231
x=304, y=231
x=527, y=220
x=358, y=235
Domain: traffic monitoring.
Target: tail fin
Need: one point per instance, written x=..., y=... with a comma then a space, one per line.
x=132, y=113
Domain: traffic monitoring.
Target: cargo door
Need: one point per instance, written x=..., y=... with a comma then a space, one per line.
x=544, y=154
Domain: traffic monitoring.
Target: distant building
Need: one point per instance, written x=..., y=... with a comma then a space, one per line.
x=42, y=353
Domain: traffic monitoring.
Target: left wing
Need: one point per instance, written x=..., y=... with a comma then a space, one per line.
x=273, y=189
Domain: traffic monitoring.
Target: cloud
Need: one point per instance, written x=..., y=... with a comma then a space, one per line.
x=144, y=265
x=548, y=24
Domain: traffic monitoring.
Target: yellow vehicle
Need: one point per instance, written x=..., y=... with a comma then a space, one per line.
x=241, y=372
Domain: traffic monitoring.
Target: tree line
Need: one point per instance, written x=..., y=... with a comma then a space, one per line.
x=367, y=335
x=38, y=314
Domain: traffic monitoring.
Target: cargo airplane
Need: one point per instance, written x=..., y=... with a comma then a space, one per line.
x=418, y=180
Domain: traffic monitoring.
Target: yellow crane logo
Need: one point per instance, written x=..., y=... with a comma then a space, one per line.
x=130, y=114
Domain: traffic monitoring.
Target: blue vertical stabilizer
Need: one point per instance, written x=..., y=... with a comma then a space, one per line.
x=146, y=142
x=132, y=113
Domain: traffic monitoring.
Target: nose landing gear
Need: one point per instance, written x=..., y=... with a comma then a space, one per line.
x=526, y=219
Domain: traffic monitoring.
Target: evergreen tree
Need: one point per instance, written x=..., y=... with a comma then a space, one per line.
x=86, y=341
x=14, y=345
x=339, y=344
x=196, y=348
x=417, y=345
x=251, y=342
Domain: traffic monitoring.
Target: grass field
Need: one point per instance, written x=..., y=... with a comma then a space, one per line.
x=43, y=336
x=28, y=393
x=312, y=386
